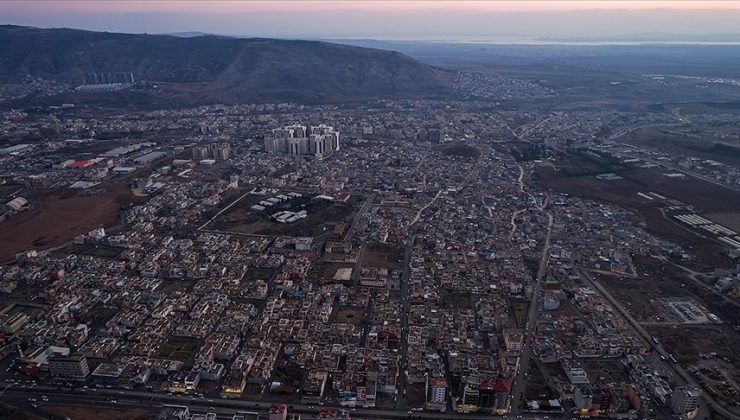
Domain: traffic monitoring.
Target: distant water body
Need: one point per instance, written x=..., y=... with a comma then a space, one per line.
x=550, y=41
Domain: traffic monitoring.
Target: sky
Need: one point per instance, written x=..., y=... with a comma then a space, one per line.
x=384, y=19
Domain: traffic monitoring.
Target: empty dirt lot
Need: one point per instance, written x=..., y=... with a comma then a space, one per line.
x=701, y=339
x=321, y=216
x=729, y=220
x=577, y=176
x=179, y=348
x=349, y=315
x=381, y=255
x=78, y=412
x=59, y=215
x=659, y=279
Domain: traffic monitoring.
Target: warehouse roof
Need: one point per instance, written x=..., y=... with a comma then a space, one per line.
x=17, y=203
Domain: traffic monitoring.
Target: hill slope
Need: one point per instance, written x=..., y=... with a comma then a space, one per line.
x=220, y=69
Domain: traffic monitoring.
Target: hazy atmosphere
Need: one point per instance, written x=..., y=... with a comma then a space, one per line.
x=431, y=20
x=378, y=210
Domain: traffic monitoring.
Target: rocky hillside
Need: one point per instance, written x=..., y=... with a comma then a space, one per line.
x=208, y=68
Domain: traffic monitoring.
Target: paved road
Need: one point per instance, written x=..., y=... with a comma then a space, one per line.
x=513, y=222
x=676, y=368
x=224, y=406
x=662, y=163
x=520, y=178
x=350, y=231
x=404, y=345
x=517, y=392
x=418, y=214
x=692, y=275
x=203, y=226
x=528, y=128
x=676, y=168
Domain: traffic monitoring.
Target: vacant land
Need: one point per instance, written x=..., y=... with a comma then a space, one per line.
x=578, y=172
x=604, y=371
x=729, y=220
x=9, y=412
x=642, y=306
x=178, y=285
x=382, y=255
x=99, y=316
x=101, y=251
x=519, y=309
x=698, y=141
x=456, y=301
x=8, y=190
x=659, y=282
x=659, y=279
x=259, y=273
x=178, y=348
x=322, y=215
x=415, y=395
x=349, y=315
x=703, y=339
x=536, y=386
x=326, y=271
x=86, y=412
x=576, y=175
x=463, y=150
x=59, y=215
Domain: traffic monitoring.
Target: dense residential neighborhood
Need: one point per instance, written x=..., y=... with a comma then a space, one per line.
x=420, y=263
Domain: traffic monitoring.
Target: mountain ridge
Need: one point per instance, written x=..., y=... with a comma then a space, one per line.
x=211, y=68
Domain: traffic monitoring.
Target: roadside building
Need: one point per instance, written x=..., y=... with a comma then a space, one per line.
x=71, y=367
x=685, y=401
x=436, y=394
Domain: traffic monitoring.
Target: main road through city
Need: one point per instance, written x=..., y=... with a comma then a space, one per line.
x=517, y=391
x=17, y=396
x=404, y=346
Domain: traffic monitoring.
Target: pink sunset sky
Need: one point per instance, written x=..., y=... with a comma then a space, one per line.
x=389, y=19
x=230, y=6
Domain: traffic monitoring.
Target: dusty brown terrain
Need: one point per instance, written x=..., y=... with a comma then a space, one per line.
x=77, y=412
x=241, y=219
x=349, y=315
x=663, y=280
x=703, y=339
x=382, y=255
x=9, y=412
x=60, y=215
x=730, y=220
x=577, y=176
x=696, y=141
x=326, y=271
x=660, y=279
